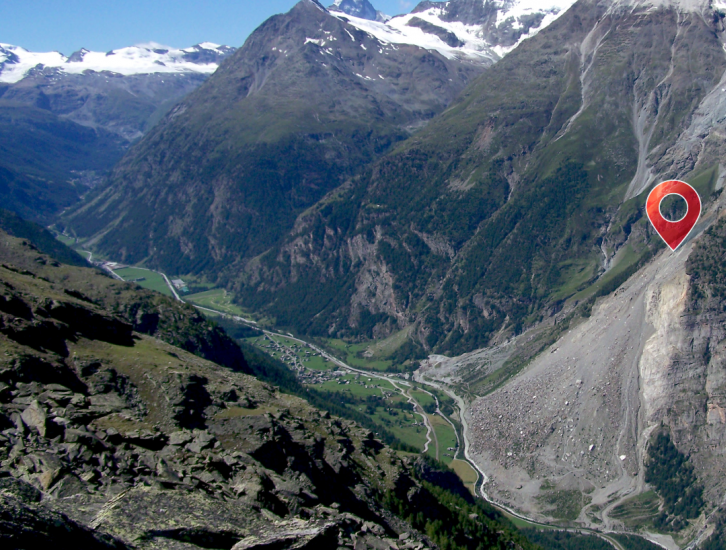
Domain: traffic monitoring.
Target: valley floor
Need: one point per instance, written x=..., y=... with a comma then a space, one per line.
x=474, y=442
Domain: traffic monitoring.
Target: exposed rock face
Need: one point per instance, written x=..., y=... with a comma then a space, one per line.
x=26, y=523
x=578, y=421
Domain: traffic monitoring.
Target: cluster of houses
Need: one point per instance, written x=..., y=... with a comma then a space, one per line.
x=180, y=285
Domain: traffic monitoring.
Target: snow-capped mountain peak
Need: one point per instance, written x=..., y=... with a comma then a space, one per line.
x=16, y=62
x=476, y=29
x=361, y=9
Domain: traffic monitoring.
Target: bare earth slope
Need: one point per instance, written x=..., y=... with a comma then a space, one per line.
x=576, y=423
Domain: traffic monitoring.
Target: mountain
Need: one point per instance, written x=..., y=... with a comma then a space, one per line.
x=301, y=107
x=503, y=241
x=17, y=63
x=362, y=9
x=521, y=198
x=311, y=98
x=120, y=433
x=468, y=28
x=83, y=112
x=123, y=91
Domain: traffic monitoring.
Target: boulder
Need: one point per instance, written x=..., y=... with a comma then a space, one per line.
x=35, y=417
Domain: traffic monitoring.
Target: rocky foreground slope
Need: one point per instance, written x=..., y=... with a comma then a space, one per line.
x=117, y=431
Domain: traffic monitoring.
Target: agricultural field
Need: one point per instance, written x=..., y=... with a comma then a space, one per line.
x=381, y=402
x=425, y=400
x=356, y=385
x=466, y=473
x=68, y=241
x=352, y=354
x=445, y=436
x=217, y=299
x=151, y=279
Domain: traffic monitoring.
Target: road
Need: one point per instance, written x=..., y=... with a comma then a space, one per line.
x=431, y=434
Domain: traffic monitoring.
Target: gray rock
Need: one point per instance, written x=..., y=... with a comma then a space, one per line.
x=202, y=440
x=26, y=524
x=294, y=534
x=35, y=417
x=180, y=438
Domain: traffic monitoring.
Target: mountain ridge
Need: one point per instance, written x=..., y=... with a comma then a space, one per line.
x=16, y=62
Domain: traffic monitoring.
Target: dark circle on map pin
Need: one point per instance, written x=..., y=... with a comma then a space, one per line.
x=673, y=233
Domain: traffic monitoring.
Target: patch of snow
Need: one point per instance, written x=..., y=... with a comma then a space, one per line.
x=475, y=47
x=16, y=62
x=396, y=31
x=681, y=5
x=210, y=46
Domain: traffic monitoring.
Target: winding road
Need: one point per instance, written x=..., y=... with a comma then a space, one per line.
x=402, y=386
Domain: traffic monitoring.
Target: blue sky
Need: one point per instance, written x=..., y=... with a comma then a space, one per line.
x=102, y=25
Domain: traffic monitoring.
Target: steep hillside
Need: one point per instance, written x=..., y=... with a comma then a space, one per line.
x=303, y=105
x=80, y=114
x=40, y=237
x=523, y=194
x=619, y=423
x=40, y=156
x=113, y=437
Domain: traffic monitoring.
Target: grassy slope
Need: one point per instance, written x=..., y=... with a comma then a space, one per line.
x=14, y=225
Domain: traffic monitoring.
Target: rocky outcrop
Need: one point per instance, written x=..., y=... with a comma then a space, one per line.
x=114, y=439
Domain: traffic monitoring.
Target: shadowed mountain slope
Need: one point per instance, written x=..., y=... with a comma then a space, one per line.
x=519, y=196
x=303, y=105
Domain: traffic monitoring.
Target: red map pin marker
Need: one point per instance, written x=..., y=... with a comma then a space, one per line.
x=673, y=233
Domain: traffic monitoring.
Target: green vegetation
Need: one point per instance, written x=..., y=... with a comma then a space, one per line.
x=563, y=504
x=274, y=371
x=455, y=522
x=217, y=299
x=707, y=268
x=68, y=241
x=446, y=438
x=145, y=279
x=638, y=511
x=671, y=474
x=352, y=354
x=41, y=152
x=717, y=541
x=466, y=473
x=550, y=539
x=425, y=400
x=381, y=403
x=40, y=237
x=634, y=542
